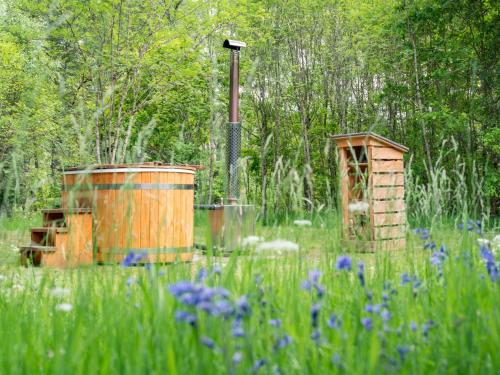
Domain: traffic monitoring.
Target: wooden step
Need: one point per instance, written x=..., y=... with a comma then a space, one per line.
x=45, y=236
x=33, y=254
x=56, y=217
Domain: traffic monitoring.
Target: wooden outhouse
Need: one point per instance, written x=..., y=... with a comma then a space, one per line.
x=372, y=191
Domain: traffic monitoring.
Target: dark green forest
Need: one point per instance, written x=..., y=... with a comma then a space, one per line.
x=115, y=81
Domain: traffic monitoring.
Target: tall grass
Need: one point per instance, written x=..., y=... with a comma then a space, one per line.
x=123, y=319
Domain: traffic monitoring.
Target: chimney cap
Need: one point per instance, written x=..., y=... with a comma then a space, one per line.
x=234, y=44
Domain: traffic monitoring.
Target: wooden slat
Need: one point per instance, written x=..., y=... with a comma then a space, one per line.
x=145, y=207
x=392, y=179
x=190, y=211
x=390, y=232
x=387, y=166
x=388, y=206
x=396, y=192
x=389, y=219
x=177, y=225
x=357, y=141
x=386, y=153
x=136, y=207
x=170, y=177
x=162, y=212
x=344, y=191
x=153, y=213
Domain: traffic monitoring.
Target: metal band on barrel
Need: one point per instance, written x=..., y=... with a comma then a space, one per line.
x=129, y=187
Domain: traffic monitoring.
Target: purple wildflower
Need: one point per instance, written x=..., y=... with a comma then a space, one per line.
x=385, y=315
x=413, y=326
x=243, y=306
x=369, y=308
x=334, y=321
x=315, y=314
x=344, y=263
x=132, y=258
x=207, y=341
x=201, y=275
x=184, y=316
x=282, y=342
x=313, y=281
x=216, y=270
x=402, y=350
x=405, y=279
x=275, y=323
x=361, y=273
x=423, y=233
x=431, y=245
x=237, y=328
x=367, y=323
x=316, y=336
x=237, y=356
x=489, y=260
x=258, y=364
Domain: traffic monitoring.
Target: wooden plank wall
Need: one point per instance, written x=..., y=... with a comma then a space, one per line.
x=387, y=196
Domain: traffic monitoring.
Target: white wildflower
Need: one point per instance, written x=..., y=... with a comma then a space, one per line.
x=278, y=245
x=251, y=241
x=66, y=307
x=359, y=206
x=302, y=223
x=50, y=354
x=17, y=287
x=495, y=242
x=59, y=292
x=2, y=277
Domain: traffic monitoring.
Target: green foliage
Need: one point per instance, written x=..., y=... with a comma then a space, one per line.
x=114, y=81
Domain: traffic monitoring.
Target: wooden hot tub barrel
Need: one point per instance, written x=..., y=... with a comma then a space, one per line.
x=144, y=208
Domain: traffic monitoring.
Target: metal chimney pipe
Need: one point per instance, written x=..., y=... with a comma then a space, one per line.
x=233, y=131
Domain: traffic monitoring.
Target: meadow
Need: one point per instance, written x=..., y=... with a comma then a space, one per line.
x=432, y=308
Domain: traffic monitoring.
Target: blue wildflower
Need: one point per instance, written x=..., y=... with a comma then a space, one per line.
x=258, y=279
x=369, y=308
x=402, y=350
x=361, y=273
x=367, y=323
x=186, y=317
x=207, y=341
x=426, y=327
x=313, y=281
x=344, y=263
x=283, y=341
x=201, y=275
x=243, y=306
x=237, y=328
x=216, y=270
x=315, y=314
x=316, y=336
x=275, y=323
x=405, y=279
x=133, y=258
x=258, y=364
x=413, y=326
x=423, y=233
x=237, y=357
x=385, y=315
x=431, y=245
x=369, y=296
x=489, y=260
x=333, y=322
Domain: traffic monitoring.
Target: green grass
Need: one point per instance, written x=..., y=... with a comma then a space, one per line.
x=122, y=320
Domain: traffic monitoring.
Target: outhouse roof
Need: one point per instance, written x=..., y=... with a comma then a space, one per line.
x=375, y=136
